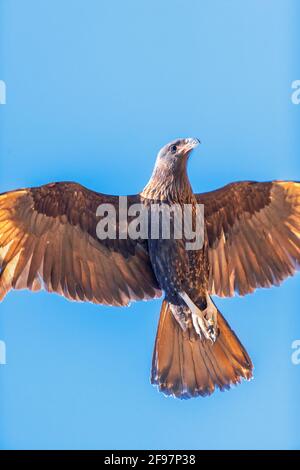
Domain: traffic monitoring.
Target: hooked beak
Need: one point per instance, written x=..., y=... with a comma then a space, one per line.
x=190, y=144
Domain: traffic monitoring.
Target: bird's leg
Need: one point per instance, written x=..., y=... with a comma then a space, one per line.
x=179, y=315
x=211, y=315
x=200, y=323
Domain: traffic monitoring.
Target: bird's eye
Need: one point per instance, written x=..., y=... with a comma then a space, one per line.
x=174, y=148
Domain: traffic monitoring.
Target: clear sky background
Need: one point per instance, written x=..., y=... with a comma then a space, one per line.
x=94, y=89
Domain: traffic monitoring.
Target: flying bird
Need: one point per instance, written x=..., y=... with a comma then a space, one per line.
x=48, y=239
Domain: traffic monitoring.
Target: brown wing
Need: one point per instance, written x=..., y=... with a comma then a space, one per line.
x=253, y=232
x=48, y=239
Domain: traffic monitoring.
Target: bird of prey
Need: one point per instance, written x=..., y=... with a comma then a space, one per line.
x=48, y=239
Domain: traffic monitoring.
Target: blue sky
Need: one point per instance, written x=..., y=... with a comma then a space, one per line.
x=94, y=89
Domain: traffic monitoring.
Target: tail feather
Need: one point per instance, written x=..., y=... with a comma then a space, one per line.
x=186, y=366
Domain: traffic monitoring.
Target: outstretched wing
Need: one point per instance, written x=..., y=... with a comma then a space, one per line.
x=253, y=232
x=48, y=239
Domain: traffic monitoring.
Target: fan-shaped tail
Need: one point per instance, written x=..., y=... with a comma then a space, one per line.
x=185, y=366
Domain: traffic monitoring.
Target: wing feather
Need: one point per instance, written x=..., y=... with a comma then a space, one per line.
x=253, y=232
x=48, y=239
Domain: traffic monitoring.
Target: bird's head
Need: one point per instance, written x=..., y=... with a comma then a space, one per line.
x=169, y=173
x=175, y=154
